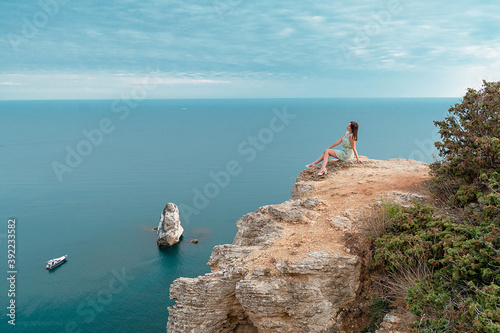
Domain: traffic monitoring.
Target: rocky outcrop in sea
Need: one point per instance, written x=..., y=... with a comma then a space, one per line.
x=169, y=228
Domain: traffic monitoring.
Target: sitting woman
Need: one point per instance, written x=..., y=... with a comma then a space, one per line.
x=347, y=152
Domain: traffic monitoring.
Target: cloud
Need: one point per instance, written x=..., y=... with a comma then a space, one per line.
x=212, y=44
x=7, y=83
x=181, y=81
x=286, y=32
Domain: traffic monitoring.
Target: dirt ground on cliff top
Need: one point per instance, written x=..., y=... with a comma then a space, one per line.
x=350, y=190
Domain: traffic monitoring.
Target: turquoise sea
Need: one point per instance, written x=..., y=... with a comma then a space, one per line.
x=90, y=179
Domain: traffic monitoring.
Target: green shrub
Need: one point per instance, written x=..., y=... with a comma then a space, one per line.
x=470, y=149
x=461, y=292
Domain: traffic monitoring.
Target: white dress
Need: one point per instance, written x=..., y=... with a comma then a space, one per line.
x=346, y=153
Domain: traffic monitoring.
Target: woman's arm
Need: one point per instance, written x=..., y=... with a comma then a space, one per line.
x=336, y=143
x=353, y=145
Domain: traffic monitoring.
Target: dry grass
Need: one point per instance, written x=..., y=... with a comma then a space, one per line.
x=390, y=286
x=396, y=284
x=374, y=223
x=394, y=287
x=439, y=198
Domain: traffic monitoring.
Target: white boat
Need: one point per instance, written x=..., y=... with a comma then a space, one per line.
x=53, y=263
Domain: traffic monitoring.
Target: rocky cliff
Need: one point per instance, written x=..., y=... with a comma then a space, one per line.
x=288, y=269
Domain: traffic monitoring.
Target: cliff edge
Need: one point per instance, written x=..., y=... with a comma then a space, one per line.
x=288, y=269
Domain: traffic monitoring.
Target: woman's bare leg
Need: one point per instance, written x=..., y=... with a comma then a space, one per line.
x=313, y=164
x=325, y=157
x=321, y=158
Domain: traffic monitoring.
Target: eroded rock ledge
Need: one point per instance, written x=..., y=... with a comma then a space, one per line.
x=287, y=269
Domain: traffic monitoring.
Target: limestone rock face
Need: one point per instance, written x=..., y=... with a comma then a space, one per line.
x=288, y=269
x=391, y=324
x=301, y=189
x=238, y=296
x=169, y=227
x=305, y=297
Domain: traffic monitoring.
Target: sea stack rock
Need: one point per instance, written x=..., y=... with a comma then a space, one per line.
x=169, y=227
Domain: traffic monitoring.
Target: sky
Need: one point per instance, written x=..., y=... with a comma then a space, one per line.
x=66, y=49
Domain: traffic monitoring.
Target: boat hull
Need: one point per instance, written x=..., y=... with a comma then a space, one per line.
x=53, y=263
